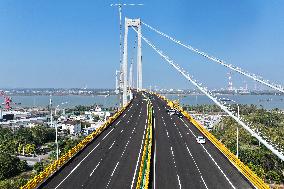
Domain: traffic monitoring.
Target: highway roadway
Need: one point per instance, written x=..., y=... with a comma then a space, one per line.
x=180, y=162
x=110, y=160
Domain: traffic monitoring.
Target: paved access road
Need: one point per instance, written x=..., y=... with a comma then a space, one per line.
x=110, y=160
x=180, y=162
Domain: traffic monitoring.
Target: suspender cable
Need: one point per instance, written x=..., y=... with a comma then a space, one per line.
x=214, y=99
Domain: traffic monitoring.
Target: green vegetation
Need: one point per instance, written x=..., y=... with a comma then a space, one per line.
x=13, y=142
x=19, y=141
x=269, y=122
x=11, y=166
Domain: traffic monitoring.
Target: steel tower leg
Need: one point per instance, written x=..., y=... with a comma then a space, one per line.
x=124, y=67
x=139, y=57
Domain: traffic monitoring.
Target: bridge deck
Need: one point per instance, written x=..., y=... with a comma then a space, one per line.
x=183, y=163
x=110, y=160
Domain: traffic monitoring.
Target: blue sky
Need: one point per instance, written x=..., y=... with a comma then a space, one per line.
x=72, y=43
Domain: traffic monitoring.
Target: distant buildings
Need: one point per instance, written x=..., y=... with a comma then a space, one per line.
x=71, y=124
x=73, y=127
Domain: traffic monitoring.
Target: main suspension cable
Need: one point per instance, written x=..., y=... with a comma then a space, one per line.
x=214, y=99
x=241, y=71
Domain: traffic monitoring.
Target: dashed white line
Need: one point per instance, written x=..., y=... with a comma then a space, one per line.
x=212, y=159
x=77, y=166
x=196, y=166
x=117, y=122
x=111, y=145
x=112, y=174
x=167, y=133
x=95, y=169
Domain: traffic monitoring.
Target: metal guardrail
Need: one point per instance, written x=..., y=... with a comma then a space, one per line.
x=144, y=170
x=245, y=170
x=57, y=164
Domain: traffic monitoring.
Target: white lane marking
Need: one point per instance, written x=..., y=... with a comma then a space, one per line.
x=95, y=169
x=121, y=131
x=108, y=133
x=173, y=156
x=167, y=133
x=76, y=166
x=141, y=146
x=124, y=115
x=196, y=166
x=133, y=130
x=219, y=167
x=179, y=181
x=111, y=145
x=120, y=158
x=112, y=174
x=213, y=159
x=117, y=122
x=188, y=128
x=178, y=131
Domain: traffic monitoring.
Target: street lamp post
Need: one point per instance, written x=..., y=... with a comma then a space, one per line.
x=238, y=132
x=56, y=132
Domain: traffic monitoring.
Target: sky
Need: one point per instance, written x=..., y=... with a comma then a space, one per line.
x=75, y=43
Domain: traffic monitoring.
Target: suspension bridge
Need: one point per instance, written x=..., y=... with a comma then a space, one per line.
x=143, y=146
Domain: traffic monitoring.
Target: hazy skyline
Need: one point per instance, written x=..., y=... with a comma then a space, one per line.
x=76, y=43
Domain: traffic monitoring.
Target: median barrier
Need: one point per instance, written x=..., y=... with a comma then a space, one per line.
x=145, y=163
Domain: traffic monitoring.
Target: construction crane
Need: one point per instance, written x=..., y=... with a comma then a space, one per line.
x=7, y=100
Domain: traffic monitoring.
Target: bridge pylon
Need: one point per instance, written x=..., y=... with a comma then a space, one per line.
x=137, y=24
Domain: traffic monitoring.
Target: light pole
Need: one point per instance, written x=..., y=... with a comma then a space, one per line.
x=238, y=132
x=56, y=133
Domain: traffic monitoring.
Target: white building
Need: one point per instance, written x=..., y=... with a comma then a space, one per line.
x=98, y=112
x=93, y=127
x=73, y=127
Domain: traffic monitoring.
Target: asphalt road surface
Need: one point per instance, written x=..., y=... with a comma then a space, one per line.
x=111, y=160
x=180, y=162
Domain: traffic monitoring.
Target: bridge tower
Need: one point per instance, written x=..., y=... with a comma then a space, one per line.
x=137, y=24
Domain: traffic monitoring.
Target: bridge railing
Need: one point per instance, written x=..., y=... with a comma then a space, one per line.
x=245, y=170
x=145, y=163
x=56, y=165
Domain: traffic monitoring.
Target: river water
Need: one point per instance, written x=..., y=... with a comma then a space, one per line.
x=267, y=101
